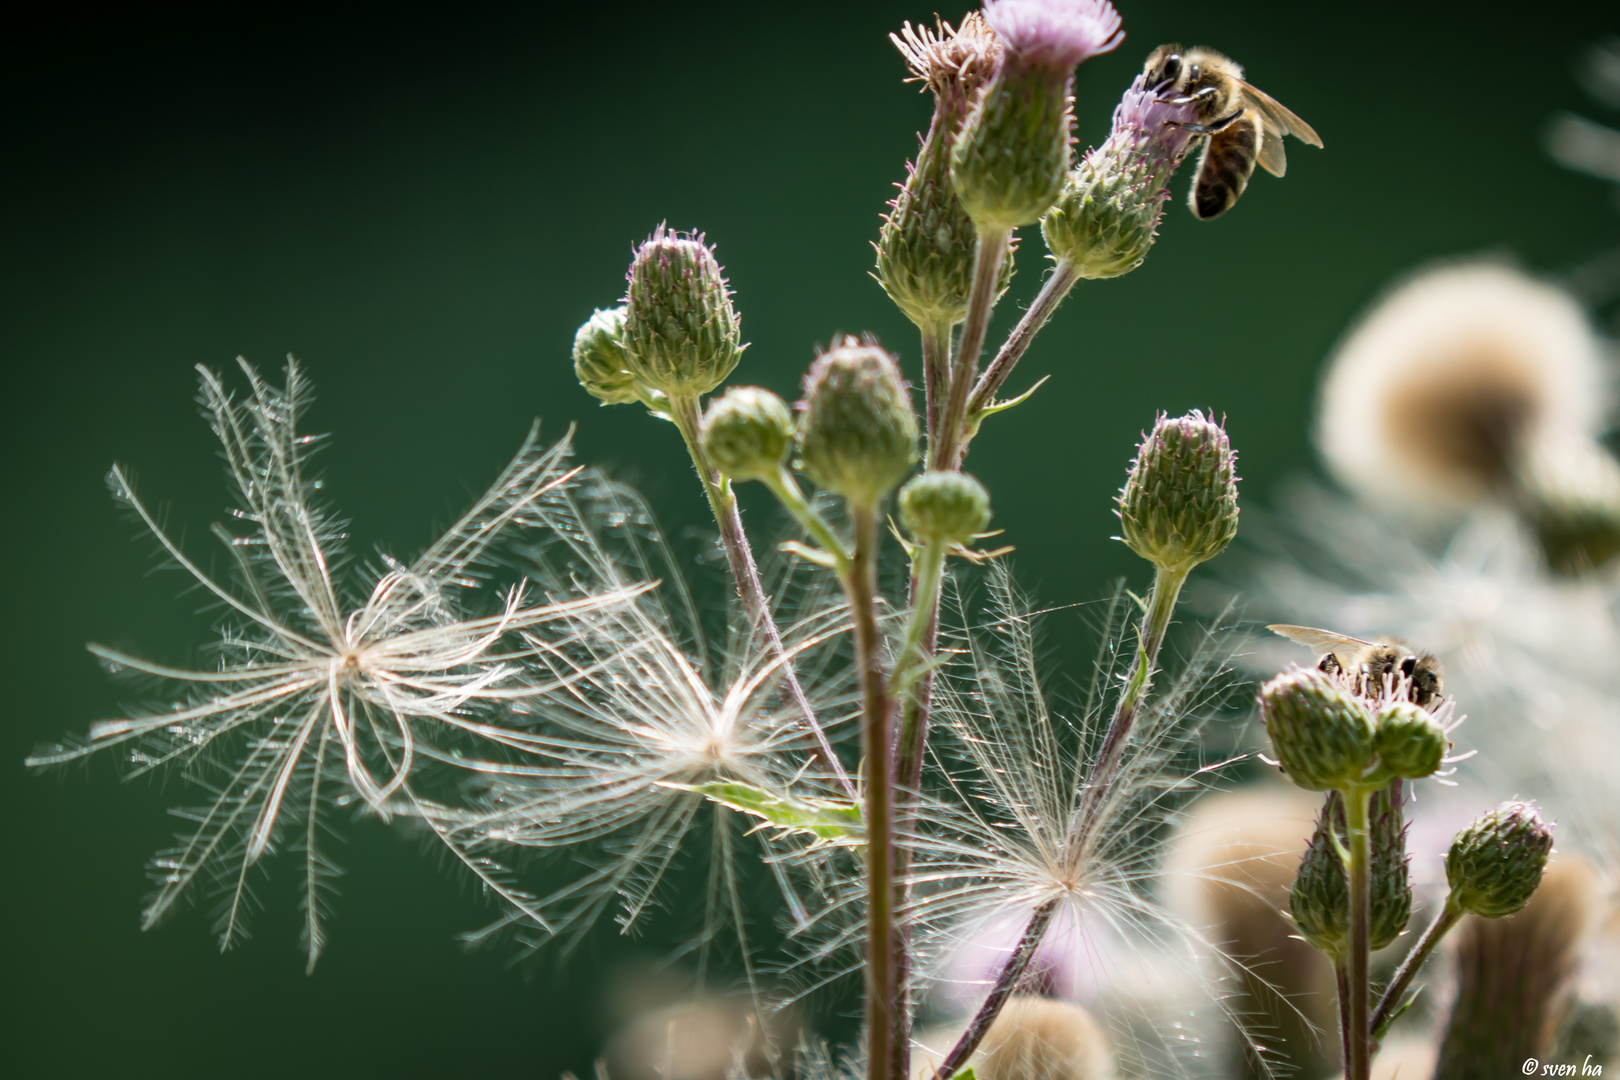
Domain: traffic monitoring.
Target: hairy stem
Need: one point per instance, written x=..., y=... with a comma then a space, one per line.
x=1358, y=1063
x=860, y=585
x=1341, y=983
x=1053, y=292
x=745, y=572
x=1390, y=1004
x=936, y=365
x=1012, y=969
x=945, y=447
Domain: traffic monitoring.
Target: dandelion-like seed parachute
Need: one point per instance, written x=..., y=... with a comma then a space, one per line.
x=324, y=696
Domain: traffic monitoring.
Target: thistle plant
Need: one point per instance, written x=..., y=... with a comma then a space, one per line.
x=585, y=716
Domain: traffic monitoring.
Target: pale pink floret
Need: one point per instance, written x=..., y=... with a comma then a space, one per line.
x=1149, y=122
x=1055, y=33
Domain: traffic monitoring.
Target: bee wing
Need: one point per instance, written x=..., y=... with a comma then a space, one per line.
x=1279, y=118
x=1271, y=156
x=1316, y=639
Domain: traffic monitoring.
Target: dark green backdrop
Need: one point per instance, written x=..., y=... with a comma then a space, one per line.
x=422, y=208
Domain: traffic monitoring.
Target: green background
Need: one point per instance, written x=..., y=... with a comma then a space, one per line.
x=422, y=207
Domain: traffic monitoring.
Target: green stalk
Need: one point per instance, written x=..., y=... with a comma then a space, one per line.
x=1358, y=1063
x=1450, y=914
x=936, y=365
x=745, y=572
x=945, y=448
x=1053, y=291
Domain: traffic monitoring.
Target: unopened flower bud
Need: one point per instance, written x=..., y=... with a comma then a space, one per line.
x=1495, y=863
x=944, y=507
x=681, y=335
x=858, y=434
x=1179, y=504
x=1108, y=215
x=1321, y=734
x=1409, y=741
x=1320, y=899
x=925, y=250
x=1011, y=160
x=599, y=358
x=747, y=433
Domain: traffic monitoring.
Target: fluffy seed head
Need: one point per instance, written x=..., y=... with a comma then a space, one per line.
x=1179, y=504
x=1037, y=1038
x=858, y=434
x=599, y=358
x=1321, y=733
x=944, y=507
x=1496, y=863
x=681, y=335
x=1108, y=215
x=747, y=432
x=1055, y=33
x=1409, y=741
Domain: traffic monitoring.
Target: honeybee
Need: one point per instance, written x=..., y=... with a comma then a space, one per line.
x=1243, y=125
x=1372, y=661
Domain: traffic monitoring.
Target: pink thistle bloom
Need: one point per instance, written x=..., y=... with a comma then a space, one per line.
x=1055, y=33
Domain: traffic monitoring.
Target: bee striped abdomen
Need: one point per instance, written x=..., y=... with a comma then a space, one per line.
x=1225, y=166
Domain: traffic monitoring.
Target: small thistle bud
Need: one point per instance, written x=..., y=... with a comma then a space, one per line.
x=747, y=433
x=1320, y=899
x=599, y=358
x=1495, y=864
x=681, y=335
x=925, y=250
x=858, y=434
x=944, y=507
x=1108, y=215
x=1179, y=504
x=1409, y=742
x=1011, y=160
x=1321, y=733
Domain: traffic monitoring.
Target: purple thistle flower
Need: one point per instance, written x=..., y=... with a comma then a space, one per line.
x=1148, y=124
x=1055, y=33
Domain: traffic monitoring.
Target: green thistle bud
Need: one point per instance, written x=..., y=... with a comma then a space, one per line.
x=1320, y=899
x=599, y=358
x=1409, y=741
x=858, y=434
x=681, y=335
x=925, y=250
x=747, y=433
x=1179, y=504
x=944, y=507
x=1321, y=733
x=1011, y=160
x=1495, y=864
x=1108, y=215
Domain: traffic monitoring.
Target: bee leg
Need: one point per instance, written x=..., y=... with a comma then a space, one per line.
x=1210, y=128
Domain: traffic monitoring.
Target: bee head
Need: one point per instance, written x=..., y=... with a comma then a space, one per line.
x=1164, y=68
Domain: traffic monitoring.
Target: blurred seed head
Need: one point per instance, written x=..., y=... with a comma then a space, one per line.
x=1038, y=1038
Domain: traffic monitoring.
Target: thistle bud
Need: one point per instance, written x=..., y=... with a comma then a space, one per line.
x=747, y=433
x=599, y=358
x=681, y=335
x=1108, y=215
x=858, y=434
x=1320, y=899
x=1495, y=864
x=1012, y=157
x=1321, y=733
x=926, y=248
x=1409, y=742
x=944, y=507
x=1179, y=504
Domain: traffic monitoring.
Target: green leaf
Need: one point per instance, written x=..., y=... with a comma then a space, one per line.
x=824, y=819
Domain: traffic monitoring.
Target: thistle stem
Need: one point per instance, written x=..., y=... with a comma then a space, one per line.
x=1006, y=981
x=860, y=585
x=1341, y=983
x=788, y=493
x=1358, y=1063
x=1390, y=1004
x=936, y=365
x=945, y=448
x=1053, y=291
x=745, y=572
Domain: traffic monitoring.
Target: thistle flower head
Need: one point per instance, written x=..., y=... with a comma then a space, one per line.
x=1108, y=215
x=1055, y=33
x=327, y=691
x=1178, y=507
x=953, y=63
x=944, y=507
x=747, y=433
x=599, y=362
x=857, y=434
x=1319, y=902
x=1495, y=864
x=681, y=334
x=1321, y=733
